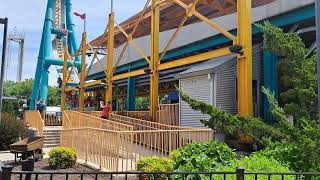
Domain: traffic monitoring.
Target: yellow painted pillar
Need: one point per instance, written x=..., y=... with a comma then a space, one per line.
x=83, y=71
x=64, y=78
x=245, y=99
x=154, y=61
x=110, y=47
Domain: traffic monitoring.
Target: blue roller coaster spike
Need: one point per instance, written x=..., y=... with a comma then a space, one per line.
x=45, y=58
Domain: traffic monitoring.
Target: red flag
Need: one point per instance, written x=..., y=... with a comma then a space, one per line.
x=82, y=16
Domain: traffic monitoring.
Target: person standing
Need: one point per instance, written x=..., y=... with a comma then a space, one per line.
x=106, y=108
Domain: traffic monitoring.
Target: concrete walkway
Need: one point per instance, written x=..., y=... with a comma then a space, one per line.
x=7, y=156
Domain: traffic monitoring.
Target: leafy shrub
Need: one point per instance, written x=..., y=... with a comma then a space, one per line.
x=202, y=156
x=155, y=164
x=10, y=130
x=62, y=157
x=256, y=163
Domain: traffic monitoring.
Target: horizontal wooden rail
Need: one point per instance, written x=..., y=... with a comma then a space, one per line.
x=78, y=120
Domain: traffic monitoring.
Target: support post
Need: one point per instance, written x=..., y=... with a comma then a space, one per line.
x=3, y=60
x=245, y=99
x=318, y=48
x=131, y=94
x=240, y=173
x=44, y=84
x=6, y=172
x=83, y=71
x=64, y=78
x=154, y=61
x=110, y=47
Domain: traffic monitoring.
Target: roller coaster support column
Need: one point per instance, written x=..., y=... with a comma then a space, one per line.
x=154, y=63
x=72, y=42
x=64, y=78
x=110, y=47
x=245, y=60
x=44, y=52
x=83, y=70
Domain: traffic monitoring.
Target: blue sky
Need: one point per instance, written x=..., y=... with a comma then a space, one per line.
x=28, y=15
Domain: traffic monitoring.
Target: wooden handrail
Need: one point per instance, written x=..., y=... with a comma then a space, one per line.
x=33, y=119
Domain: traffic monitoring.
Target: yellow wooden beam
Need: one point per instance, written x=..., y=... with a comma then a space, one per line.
x=245, y=99
x=109, y=63
x=83, y=71
x=64, y=78
x=154, y=62
x=128, y=74
x=205, y=19
x=195, y=58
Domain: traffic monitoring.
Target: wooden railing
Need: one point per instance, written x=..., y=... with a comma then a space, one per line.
x=33, y=119
x=118, y=143
x=142, y=125
x=168, y=114
x=120, y=150
x=80, y=120
x=51, y=119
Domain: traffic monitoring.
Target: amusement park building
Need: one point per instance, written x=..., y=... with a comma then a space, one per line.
x=213, y=81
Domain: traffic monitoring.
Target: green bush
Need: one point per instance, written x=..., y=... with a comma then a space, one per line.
x=256, y=163
x=202, y=156
x=11, y=129
x=62, y=157
x=155, y=164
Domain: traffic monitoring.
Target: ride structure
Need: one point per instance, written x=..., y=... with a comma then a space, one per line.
x=58, y=29
x=20, y=39
x=150, y=16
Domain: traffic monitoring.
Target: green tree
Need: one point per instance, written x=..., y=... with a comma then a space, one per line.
x=18, y=89
x=298, y=80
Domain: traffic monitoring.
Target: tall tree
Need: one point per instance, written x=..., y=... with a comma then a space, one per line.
x=298, y=80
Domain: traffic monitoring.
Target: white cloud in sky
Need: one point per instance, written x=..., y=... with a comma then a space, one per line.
x=28, y=16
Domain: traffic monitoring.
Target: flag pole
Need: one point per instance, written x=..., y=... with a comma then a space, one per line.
x=84, y=24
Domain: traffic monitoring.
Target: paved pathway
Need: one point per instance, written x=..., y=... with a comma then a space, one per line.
x=7, y=156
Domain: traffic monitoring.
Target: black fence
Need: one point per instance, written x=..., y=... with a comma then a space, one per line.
x=239, y=174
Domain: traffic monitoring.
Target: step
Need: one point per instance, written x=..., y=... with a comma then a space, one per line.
x=52, y=132
x=50, y=145
x=51, y=142
x=52, y=138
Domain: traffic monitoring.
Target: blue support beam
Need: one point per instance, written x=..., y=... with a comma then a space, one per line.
x=44, y=85
x=131, y=94
x=44, y=52
x=59, y=62
x=72, y=41
x=270, y=81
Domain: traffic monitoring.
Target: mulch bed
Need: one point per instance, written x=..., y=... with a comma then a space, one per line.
x=42, y=165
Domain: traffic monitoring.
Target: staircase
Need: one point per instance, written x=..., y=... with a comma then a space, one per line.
x=52, y=136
